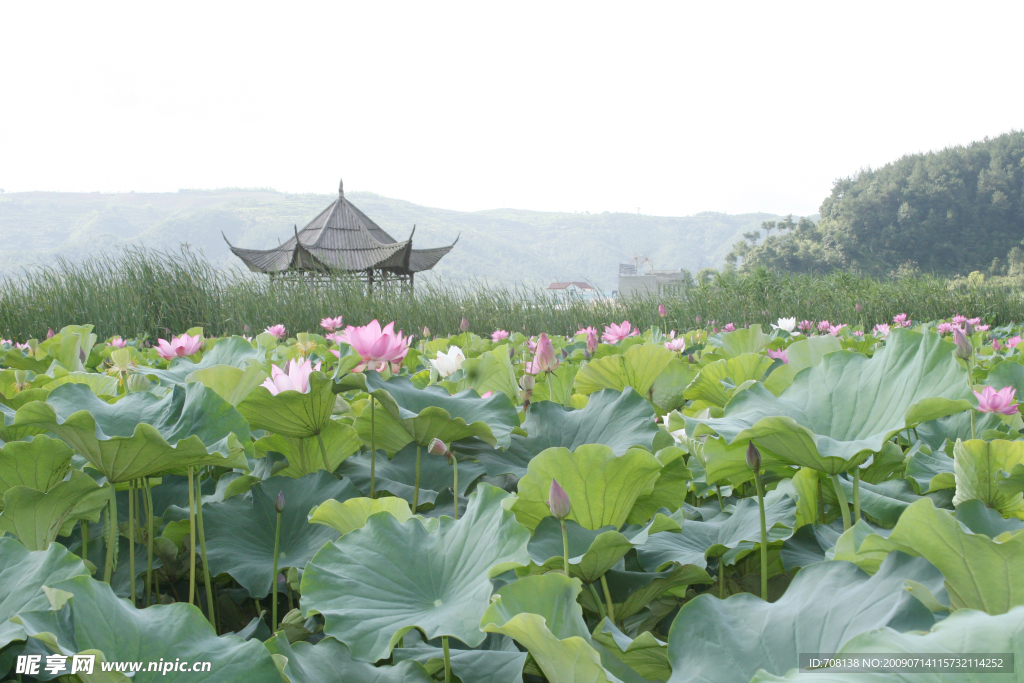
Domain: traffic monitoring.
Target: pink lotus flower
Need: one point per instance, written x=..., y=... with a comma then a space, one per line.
x=591, y=338
x=1013, y=341
x=980, y=328
x=184, y=345
x=778, y=355
x=671, y=334
x=974, y=321
x=545, y=359
x=901, y=320
x=295, y=379
x=116, y=342
x=498, y=335
x=531, y=344
x=944, y=328
x=834, y=330
x=729, y=327
x=882, y=329
x=959, y=319
x=278, y=331
x=662, y=311
x=21, y=347
x=49, y=335
x=375, y=346
x=615, y=333
x=997, y=346
x=487, y=394
x=676, y=345
x=858, y=333
x=336, y=337
x=805, y=326
x=824, y=325
x=331, y=324
x=992, y=401
x=8, y=342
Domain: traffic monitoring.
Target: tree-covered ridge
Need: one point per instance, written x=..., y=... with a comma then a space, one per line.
x=949, y=212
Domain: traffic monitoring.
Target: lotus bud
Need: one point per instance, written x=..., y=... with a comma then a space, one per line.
x=437, y=447
x=697, y=320
x=464, y=325
x=690, y=358
x=662, y=311
x=49, y=332
x=558, y=501
x=753, y=457
x=544, y=360
x=527, y=382
x=963, y=347
x=565, y=354
x=279, y=502
x=426, y=332
x=968, y=328
x=859, y=308
x=511, y=352
x=245, y=329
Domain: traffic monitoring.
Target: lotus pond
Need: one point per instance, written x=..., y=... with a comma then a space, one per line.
x=619, y=505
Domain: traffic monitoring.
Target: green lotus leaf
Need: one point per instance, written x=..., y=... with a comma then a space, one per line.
x=638, y=368
x=330, y=662
x=1006, y=374
x=70, y=346
x=352, y=514
x=810, y=544
x=669, y=390
x=496, y=660
x=303, y=453
x=101, y=385
x=935, y=433
x=727, y=463
x=930, y=471
x=669, y=490
x=744, y=340
x=883, y=502
x=233, y=351
x=86, y=615
x=718, y=380
x=966, y=631
x=556, y=386
x=490, y=371
x=240, y=531
x=978, y=466
x=825, y=605
x=633, y=591
x=602, y=486
x=1011, y=482
x=291, y=413
x=431, y=412
x=542, y=615
x=231, y=383
x=38, y=464
x=838, y=412
x=644, y=654
x=371, y=594
x=981, y=572
x=36, y=517
x=800, y=355
x=619, y=420
x=984, y=520
x=23, y=573
x=397, y=476
x=720, y=533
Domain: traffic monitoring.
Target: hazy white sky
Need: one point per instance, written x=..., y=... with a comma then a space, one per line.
x=673, y=107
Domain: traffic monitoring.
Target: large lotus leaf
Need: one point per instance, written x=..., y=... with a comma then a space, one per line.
x=97, y=620
x=541, y=614
x=718, y=380
x=745, y=340
x=9, y=431
x=669, y=490
x=231, y=383
x=978, y=466
x=23, y=573
x=1011, y=482
x=810, y=544
x=883, y=502
x=490, y=371
x=376, y=583
x=929, y=470
x=849, y=405
x=633, y=591
x=800, y=355
x=602, y=486
x=291, y=413
x=956, y=426
x=101, y=385
x=981, y=572
x=38, y=464
x=966, y=631
x=727, y=463
x=736, y=529
x=638, y=368
x=240, y=531
x=1006, y=374
x=397, y=476
x=556, y=386
x=352, y=514
x=669, y=390
x=234, y=351
x=330, y=662
x=645, y=654
x=36, y=517
x=496, y=660
x=719, y=641
x=303, y=453
x=983, y=520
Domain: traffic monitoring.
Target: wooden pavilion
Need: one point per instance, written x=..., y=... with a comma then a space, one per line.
x=343, y=239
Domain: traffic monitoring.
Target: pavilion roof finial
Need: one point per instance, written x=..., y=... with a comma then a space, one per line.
x=341, y=188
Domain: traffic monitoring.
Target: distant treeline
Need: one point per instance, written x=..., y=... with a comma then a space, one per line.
x=151, y=294
x=949, y=213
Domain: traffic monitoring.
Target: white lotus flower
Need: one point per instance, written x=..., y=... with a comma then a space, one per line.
x=448, y=363
x=787, y=324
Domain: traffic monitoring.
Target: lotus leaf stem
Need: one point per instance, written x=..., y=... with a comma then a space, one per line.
x=323, y=451
x=844, y=507
x=202, y=547
x=821, y=503
x=373, y=450
x=764, y=535
x=455, y=485
x=273, y=587
x=721, y=504
x=856, y=493
x=288, y=593
x=131, y=542
x=597, y=600
x=108, y=568
x=84, y=524
x=447, y=660
x=149, y=544
x=721, y=578
x=970, y=387
x=565, y=548
x=416, y=487
x=608, y=599
x=191, y=539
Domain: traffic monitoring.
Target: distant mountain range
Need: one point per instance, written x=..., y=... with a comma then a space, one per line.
x=499, y=245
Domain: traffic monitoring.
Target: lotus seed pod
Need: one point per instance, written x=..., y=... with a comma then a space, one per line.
x=558, y=501
x=753, y=457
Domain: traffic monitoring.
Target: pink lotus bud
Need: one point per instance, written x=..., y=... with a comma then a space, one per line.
x=753, y=457
x=662, y=311
x=464, y=325
x=49, y=333
x=426, y=332
x=697, y=320
x=545, y=360
x=437, y=447
x=279, y=502
x=859, y=308
x=963, y=347
x=558, y=501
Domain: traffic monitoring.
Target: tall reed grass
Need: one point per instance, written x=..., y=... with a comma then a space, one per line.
x=145, y=293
